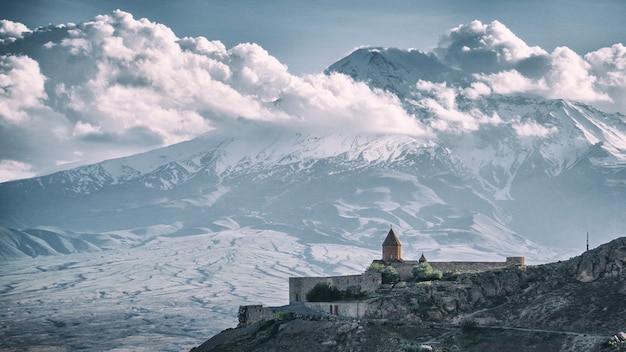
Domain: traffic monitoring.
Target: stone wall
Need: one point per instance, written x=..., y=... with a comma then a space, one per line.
x=356, y=310
x=405, y=268
x=366, y=282
x=254, y=313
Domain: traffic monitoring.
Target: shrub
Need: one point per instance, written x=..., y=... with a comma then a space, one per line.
x=378, y=267
x=389, y=273
x=469, y=326
x=284, y=316
x=323, y=292
x=410, y=348
x=425, y=272
x=353, y=292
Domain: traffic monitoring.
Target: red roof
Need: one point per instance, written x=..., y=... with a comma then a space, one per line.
x=392, y=239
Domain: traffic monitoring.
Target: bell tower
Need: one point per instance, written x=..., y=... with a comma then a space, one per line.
x=392, y=249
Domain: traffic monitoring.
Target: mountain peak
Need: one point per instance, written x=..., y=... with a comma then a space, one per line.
x=393, y=69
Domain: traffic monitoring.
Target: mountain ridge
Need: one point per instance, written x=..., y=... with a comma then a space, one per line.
x=492, y=170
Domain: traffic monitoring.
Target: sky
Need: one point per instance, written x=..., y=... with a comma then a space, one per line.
x=161, y=72
x=308, y=36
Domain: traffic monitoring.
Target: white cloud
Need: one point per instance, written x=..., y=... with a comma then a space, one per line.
x=507, y=65
x=511, y=82
x=532, y=129
x=12, y=170
x=441, y=101
x=21, y=88
x=337, y=103
x=116, y=86
x=10, y=31
x=569, y=77
x=608, y=66
x=476, y=90
x=478, y=47
x=83, y=128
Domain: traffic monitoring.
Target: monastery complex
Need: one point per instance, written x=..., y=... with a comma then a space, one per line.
x=369, y=281
x=366, y=284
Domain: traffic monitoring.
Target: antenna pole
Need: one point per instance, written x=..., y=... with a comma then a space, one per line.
x=587, y=241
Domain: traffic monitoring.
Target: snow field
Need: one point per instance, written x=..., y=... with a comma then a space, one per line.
x=171, y=293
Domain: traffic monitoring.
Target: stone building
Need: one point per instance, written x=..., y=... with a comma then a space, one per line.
x=392, y=256
x=370, y=281
x=392, y=248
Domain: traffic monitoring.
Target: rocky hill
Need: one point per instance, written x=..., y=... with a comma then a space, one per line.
x=574, y=305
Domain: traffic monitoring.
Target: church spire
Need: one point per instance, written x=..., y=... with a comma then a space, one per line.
x=392, y=248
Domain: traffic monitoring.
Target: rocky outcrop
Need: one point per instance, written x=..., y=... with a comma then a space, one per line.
x=607, y=261
x=446, y=300
x=552, y=296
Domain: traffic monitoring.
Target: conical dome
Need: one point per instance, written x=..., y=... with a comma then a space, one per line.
x=392, y=239
x=392, y=249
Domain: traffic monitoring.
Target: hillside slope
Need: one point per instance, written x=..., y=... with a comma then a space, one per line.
x=572, y=305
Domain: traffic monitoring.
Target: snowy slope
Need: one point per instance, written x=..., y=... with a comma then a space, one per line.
x=168, y=294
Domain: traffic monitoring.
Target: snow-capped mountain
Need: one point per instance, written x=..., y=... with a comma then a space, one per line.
x=341, y=188
x=225, y=218
x=488, y=190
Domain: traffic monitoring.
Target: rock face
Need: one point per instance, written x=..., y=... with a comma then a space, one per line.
x=574, y=305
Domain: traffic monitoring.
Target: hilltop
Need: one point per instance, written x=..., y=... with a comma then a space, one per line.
x=573, y=305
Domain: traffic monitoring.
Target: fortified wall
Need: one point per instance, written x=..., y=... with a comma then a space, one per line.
x=367, y=282
x=405, y=268
x=251, y=314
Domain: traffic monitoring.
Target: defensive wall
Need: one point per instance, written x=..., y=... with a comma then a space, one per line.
x=354, y=309
x=367, y=282
x=251, y=314
x=405, y=268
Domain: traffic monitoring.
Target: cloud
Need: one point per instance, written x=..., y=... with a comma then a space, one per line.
x=117, y=85
x=476, y=90
x=12, y=170
x=30, y=131
x=507, y=65
x=569, y=77
x=21, y=88
x=532, y=129
x=478, y=47
x=440, y=100
x=336, y=103
x=608, y=66
x=10, y=31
